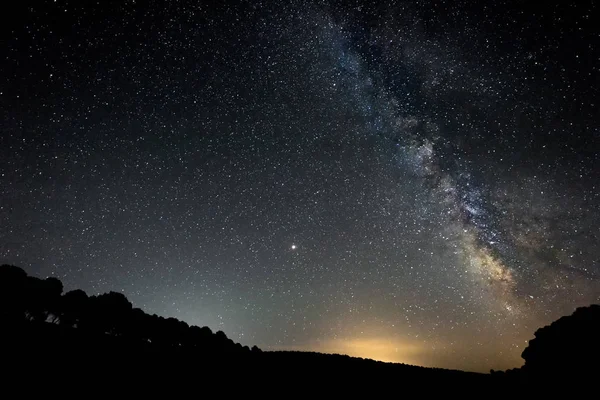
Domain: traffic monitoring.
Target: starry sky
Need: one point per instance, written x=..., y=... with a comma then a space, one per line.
x=413, y=181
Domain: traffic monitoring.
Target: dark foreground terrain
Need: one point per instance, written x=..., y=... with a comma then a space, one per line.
x=51, y=352
x=72, y=344
x=79, y=362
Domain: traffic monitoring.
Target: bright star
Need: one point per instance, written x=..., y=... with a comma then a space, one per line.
x=294, y=247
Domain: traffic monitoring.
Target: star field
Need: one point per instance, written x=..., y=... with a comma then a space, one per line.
x=411, y=182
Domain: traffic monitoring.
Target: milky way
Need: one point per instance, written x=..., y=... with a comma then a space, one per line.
x=409, y=182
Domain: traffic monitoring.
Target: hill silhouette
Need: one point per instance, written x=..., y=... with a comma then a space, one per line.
x=85, y=339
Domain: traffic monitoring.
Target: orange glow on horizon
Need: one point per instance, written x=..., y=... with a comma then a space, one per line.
x=406, y=351
x=387, y=350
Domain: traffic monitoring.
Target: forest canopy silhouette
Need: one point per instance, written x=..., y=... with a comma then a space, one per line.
x=42, y=323
x=30, y=300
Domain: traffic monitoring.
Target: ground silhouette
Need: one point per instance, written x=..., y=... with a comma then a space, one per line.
x=51, y=336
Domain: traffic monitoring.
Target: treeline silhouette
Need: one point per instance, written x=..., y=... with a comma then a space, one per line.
x=45, y=333
x=48, y=332
x=27, y=301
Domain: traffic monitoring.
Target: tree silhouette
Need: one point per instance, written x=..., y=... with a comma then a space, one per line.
x=30, y=300
x=73, y=306
x=255, y=349
x=13, y=295
x=108, y=313
x=51, y=298
x=569, y=347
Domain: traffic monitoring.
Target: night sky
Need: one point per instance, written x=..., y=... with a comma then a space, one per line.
x=414, y=181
